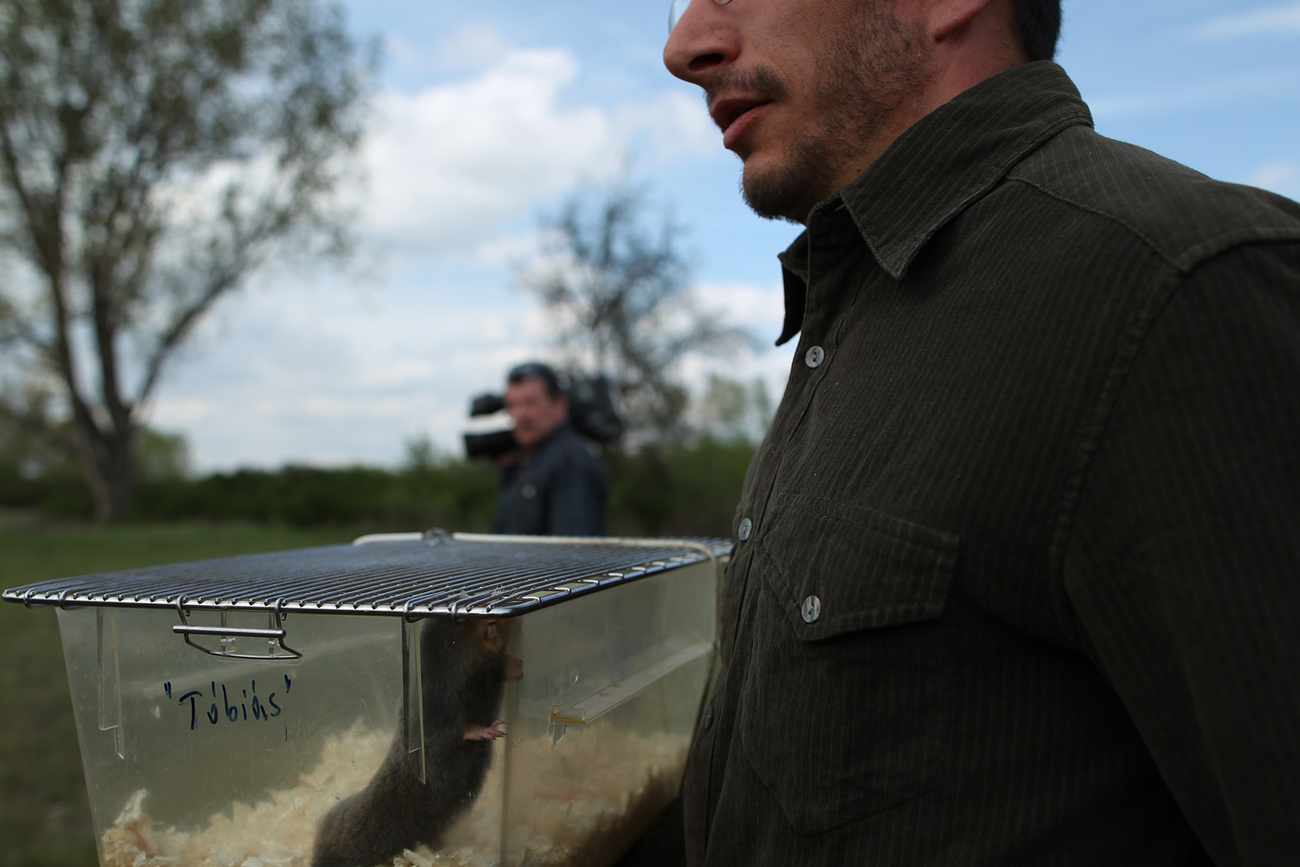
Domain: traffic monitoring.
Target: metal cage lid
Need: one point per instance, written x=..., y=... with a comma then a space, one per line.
x=410, y=574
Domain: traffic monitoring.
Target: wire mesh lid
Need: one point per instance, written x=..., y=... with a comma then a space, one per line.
x=410, y=574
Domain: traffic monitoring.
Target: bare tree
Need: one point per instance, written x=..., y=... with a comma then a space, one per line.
x=620, y=297
x=154, y=154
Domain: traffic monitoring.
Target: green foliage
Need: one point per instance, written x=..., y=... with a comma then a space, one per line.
x=160, y=456
x=688, y=488
x=38, y=471
x=678, y=490
x=455, y=495
x=684, y=488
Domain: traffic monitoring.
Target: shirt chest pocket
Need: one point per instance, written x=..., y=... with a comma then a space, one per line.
x=844, y=705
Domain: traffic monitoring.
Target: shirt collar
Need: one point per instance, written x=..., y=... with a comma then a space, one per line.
x=939, y=167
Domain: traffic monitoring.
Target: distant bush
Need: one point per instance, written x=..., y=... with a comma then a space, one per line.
x=678, y=490
x=668, y=490
x=38, y=472
x=458, y=495
x=57, y=495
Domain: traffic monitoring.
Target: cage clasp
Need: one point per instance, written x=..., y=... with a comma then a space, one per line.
x=228, y=634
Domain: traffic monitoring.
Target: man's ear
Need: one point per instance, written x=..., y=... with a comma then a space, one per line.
x=948, y=18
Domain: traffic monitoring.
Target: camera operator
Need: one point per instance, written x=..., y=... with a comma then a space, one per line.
x=556, y=485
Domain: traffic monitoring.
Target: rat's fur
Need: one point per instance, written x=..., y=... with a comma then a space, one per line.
x=462, y=671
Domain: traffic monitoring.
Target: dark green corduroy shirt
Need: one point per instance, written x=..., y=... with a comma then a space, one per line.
x=1017, y=568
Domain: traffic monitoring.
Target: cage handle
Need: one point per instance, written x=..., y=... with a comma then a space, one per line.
x=225, y=632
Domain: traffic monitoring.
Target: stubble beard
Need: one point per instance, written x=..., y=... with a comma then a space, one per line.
x=866, y=73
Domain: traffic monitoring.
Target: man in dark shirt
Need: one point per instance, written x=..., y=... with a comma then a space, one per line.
x=554, y=485
x=1017, y=568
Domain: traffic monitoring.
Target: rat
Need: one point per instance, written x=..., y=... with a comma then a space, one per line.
x=463, y=670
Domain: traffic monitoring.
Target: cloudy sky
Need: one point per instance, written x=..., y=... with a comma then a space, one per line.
x=490, y=112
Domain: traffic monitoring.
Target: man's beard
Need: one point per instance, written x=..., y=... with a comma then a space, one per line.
x=865, y=73
x=790, y=190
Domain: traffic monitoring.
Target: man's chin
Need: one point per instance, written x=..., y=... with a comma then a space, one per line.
x=779, y=192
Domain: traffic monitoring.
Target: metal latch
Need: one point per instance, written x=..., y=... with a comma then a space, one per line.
x=274, y=635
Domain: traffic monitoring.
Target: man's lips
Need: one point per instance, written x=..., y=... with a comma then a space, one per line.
x=733, y=116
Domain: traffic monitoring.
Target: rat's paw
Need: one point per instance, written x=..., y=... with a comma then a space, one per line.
x=485, y=733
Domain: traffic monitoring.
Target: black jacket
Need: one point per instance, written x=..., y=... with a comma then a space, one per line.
x=558, y=490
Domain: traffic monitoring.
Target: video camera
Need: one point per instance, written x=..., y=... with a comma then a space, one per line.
x=594, y=411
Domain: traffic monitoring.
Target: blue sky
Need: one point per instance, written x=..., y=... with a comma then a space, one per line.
x=489, y=113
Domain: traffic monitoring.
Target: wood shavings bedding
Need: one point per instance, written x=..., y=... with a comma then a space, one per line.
x=590, y=820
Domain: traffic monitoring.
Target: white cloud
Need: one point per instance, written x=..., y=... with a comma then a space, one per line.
x=321, y=372
x=758, y=308
x=1280, y=177
x=449, y=166
x=1271, y=21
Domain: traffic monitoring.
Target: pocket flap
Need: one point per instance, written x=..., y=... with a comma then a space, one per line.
x=839, y=567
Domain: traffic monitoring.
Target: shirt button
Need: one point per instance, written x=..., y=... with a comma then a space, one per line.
x=814, y=356
x=812, y=609
x=745, y=529
x=708, y=718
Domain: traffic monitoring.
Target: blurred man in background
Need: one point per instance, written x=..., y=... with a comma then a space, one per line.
x=555, y=486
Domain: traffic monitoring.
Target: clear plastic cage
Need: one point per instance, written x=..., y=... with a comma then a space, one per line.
x=227, y=731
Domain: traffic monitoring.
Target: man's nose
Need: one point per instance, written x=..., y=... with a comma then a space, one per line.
x=703, y=40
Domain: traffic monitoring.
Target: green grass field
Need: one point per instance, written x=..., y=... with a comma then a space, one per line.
x=44, y=811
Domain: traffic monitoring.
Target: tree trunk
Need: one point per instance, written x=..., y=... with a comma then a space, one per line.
x=108, y=464
x=120, y=473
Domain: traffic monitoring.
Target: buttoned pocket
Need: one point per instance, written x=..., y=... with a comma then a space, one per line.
x=844, y=710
